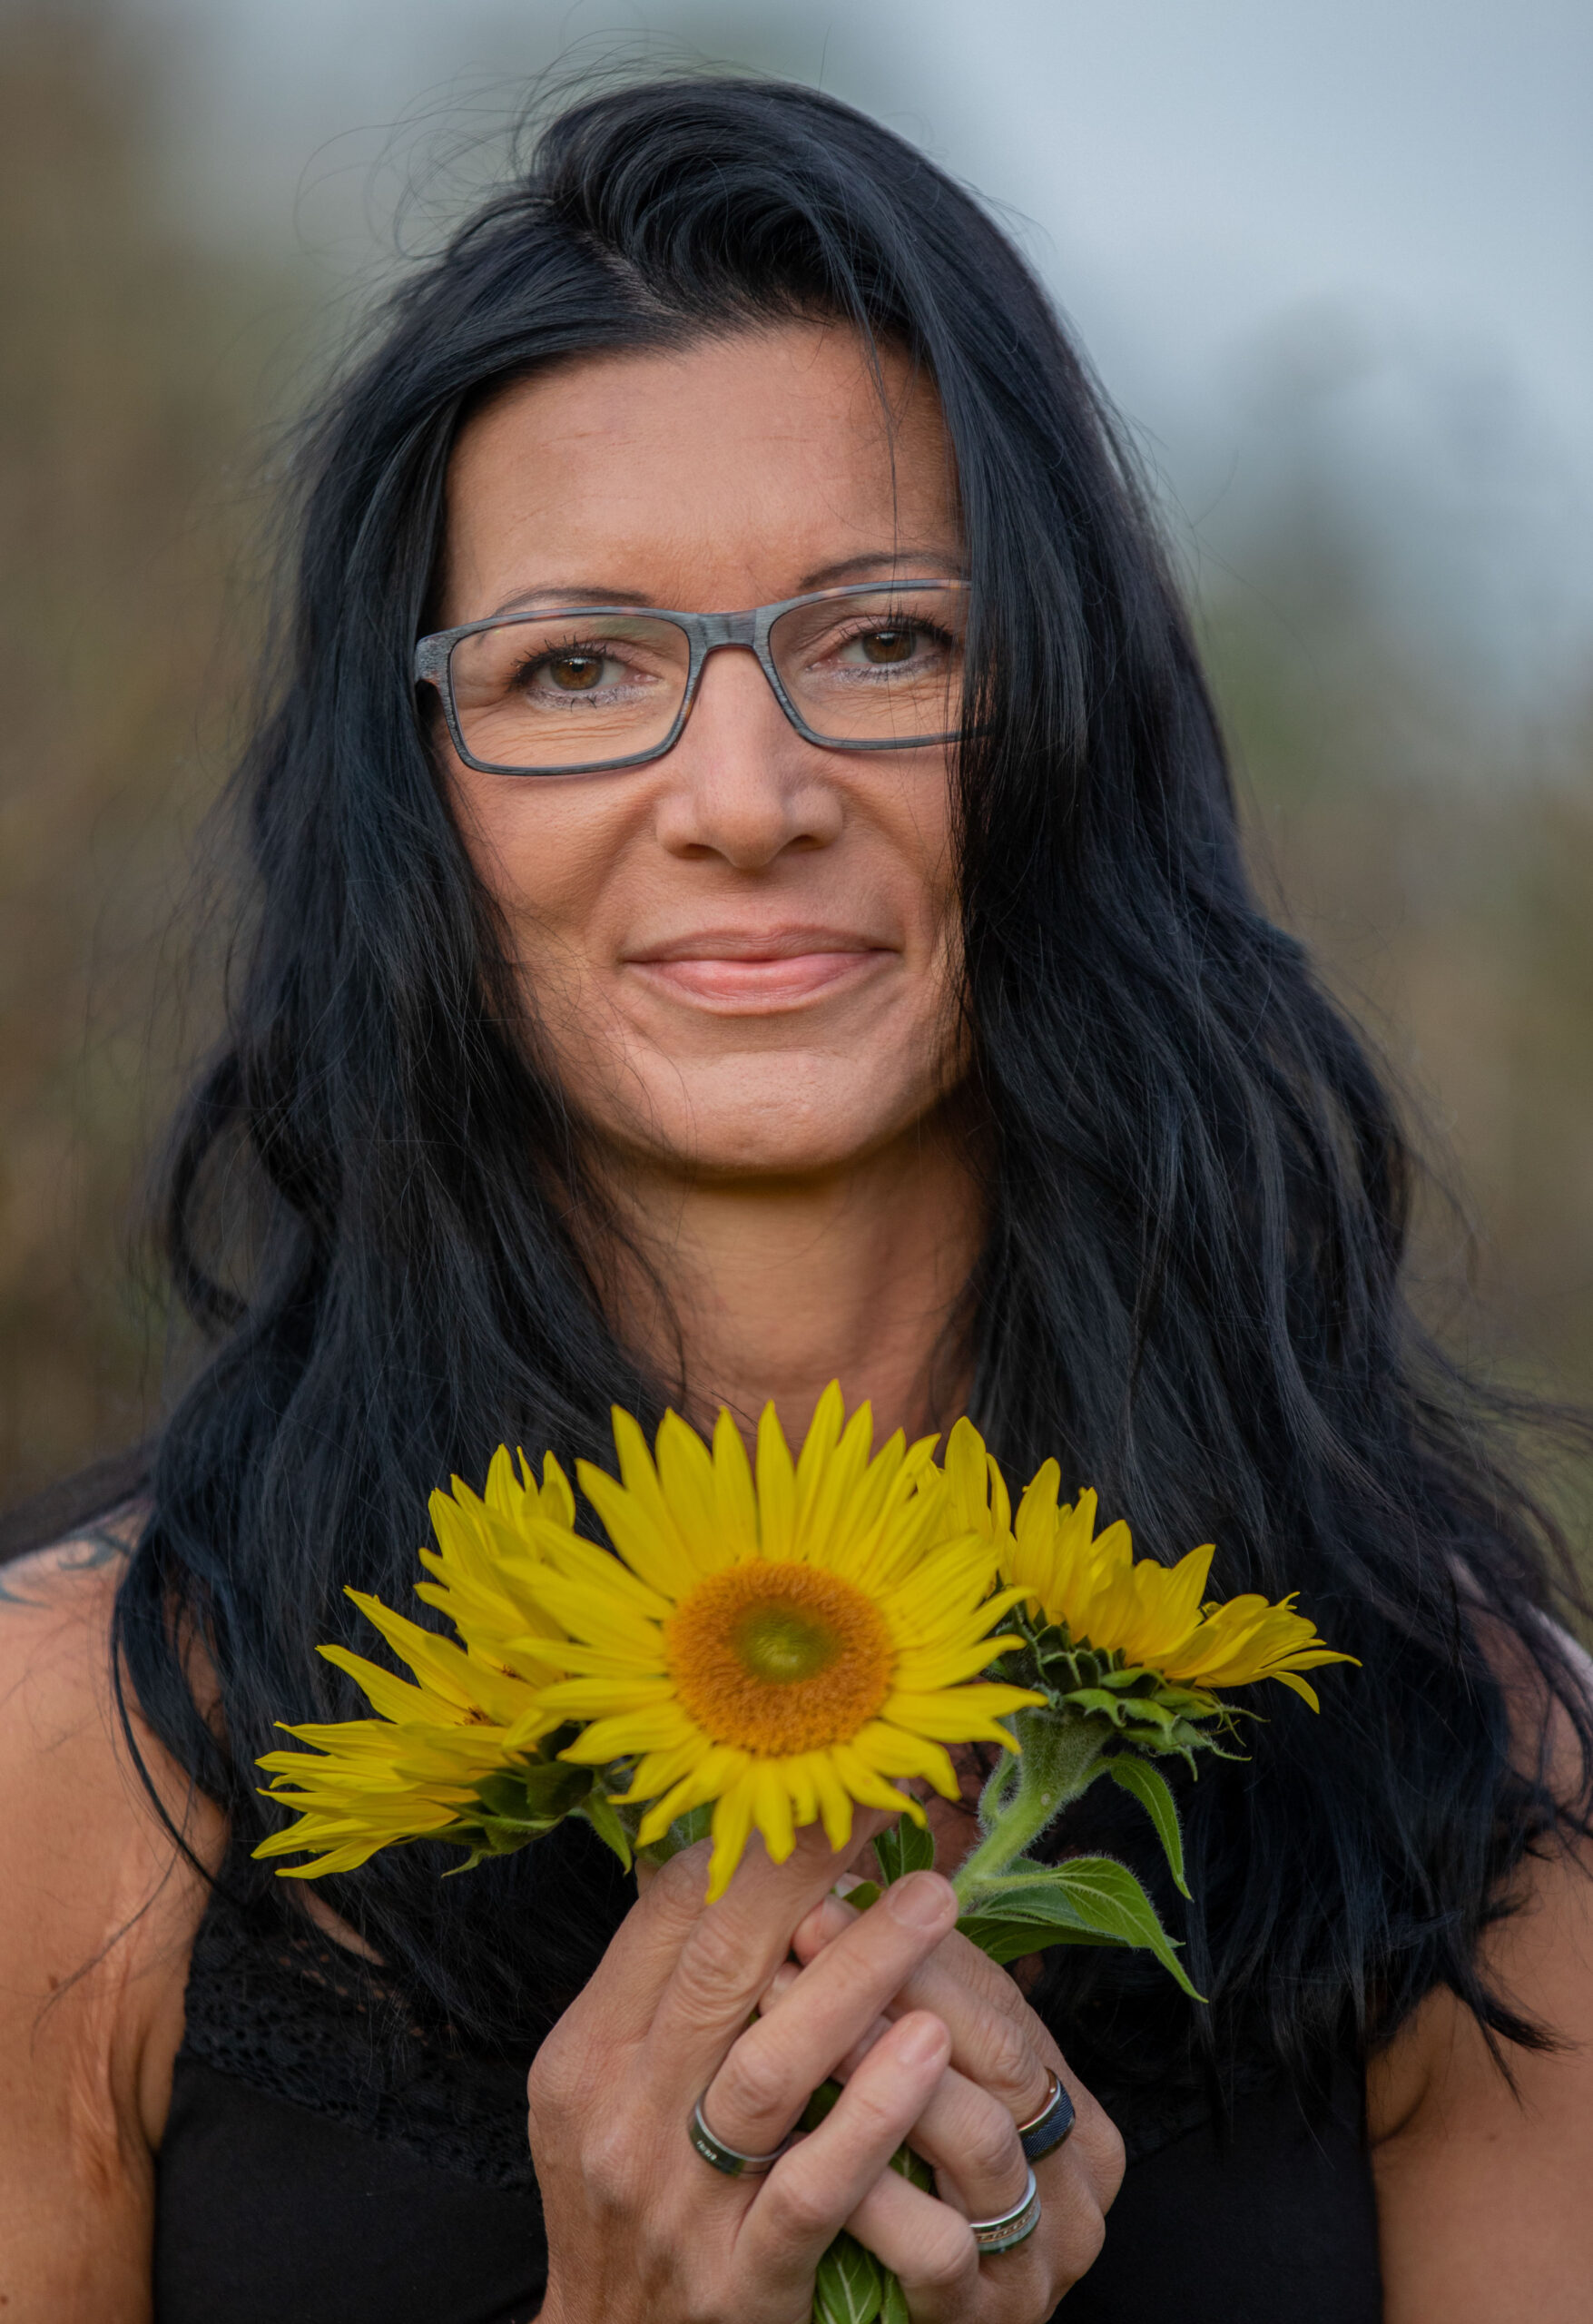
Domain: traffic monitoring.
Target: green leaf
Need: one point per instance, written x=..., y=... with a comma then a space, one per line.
x=913, y=2169
x=598, y=1810
x=906, y=1847
x=894, y=2308
x=1006, y=1941
x=849, y=2287
x=1085, y=1899
x=1149, y=1786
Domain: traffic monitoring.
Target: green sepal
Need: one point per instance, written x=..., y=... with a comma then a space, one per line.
x=518, y=1804
x=848, y=2285
x=1143, y=1708
x=598, y=1810
x=865, y=1893
x=1149, y=1786
x=907, y=1846
x=538, y=1793
x=1085, y=1900
x=683, y=1833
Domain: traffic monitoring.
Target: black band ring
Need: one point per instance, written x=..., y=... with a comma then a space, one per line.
x=1050, y=2126
x=729, y=2159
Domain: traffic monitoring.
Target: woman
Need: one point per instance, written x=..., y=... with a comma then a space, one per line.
x=626, y=1015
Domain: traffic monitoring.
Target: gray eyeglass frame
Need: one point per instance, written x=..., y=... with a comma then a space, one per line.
x=704, y=634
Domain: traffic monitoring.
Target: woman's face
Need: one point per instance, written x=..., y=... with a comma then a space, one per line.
x=741, y=955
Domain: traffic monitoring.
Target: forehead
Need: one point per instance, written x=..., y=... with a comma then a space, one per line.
x=732, y=467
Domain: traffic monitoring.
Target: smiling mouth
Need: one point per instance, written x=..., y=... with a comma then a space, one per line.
x=749, y=976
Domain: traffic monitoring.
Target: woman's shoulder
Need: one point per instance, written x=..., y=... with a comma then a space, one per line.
x=97, y=1914
x=1481, y=2174
x=85, y=1847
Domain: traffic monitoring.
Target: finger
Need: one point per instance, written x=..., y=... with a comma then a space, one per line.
x=811, y=2193
x=927, y=2247
x=765, y=2079
x=622, y=1993
x=967, y=2136
x=730, y=1949
x=997, y=2040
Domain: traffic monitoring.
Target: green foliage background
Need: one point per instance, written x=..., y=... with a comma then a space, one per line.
x=1438, y=856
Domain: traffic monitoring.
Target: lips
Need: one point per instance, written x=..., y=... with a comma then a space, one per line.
x=759, y=972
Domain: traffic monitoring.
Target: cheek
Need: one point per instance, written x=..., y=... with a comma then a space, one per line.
x=546, y=862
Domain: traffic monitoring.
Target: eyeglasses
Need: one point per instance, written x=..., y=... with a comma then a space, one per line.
x=580, y=689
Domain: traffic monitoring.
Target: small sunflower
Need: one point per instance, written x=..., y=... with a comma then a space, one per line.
x=1092, y=1585
x=430, y=1765
x=779, y=1645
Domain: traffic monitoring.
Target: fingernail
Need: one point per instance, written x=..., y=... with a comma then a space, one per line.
x=920, y=2039
x=781, y=1982
x=920, y=1901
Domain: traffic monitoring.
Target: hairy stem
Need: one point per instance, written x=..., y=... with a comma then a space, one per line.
x=1060, y=1759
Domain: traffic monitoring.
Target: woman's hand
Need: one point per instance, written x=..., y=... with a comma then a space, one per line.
x=997, y=2076
x=642, y=2230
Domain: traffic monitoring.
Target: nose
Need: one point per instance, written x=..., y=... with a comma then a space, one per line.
x=742, y=783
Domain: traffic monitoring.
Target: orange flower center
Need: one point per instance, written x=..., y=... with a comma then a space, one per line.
x=779, y=1659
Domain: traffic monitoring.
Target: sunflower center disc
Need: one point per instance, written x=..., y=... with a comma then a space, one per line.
x=779, y=1659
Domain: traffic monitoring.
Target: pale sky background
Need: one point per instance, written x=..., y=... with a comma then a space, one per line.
x=1366, y=224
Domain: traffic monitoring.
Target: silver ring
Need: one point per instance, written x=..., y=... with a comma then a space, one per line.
x=1013, y=2227
x=729, y=2160
x=1050, y=2126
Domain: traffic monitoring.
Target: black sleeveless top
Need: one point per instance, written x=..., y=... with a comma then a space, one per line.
x=328, y=2160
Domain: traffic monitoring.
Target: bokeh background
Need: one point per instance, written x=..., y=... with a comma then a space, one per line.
x=1333, y=265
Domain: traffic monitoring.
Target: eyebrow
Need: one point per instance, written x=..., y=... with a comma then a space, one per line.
x=823, y=577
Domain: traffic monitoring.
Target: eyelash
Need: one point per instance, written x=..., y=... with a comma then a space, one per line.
x=602, y=649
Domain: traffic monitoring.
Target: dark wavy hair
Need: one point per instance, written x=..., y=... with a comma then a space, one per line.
x=1199, y=1190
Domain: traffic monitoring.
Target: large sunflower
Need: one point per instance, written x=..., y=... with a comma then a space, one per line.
x=780, y=1644
x=430, y=1765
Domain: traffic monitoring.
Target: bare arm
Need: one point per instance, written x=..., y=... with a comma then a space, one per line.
x=1484, y=2193
x=97, y=1914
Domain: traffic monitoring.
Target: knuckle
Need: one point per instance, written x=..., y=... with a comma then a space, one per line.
x=1097, y=2144
x=753, y=2081
x=711, y=1975
x=946, y=2253
x=1009, y=2053
x=800, y=2214
x=989, y=2144
x=610, y=2166
x=554, y=2084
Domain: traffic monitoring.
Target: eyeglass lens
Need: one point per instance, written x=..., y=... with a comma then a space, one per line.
x=562, y=690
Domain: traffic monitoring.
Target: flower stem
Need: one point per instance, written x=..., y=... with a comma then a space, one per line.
x=1060, y=1759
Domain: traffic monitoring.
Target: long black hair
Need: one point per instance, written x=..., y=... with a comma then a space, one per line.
x=1192, y=1287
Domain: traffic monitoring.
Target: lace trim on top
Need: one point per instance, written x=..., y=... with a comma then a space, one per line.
x=290, y=2014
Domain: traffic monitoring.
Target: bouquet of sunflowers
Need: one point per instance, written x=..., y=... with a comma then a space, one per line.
x=766, y=1643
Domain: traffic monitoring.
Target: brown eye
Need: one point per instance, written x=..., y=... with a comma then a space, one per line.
x=575, y=672
x=883, y=646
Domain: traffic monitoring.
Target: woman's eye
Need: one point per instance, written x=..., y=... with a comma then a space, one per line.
x=884, y=646
x=574, y=673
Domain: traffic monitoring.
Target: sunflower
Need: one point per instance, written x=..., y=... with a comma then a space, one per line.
x=430, y=1765
x=1155, y=1617
x=781, y=1645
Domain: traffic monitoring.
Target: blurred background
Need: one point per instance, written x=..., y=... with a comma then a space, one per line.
x=1333, y=265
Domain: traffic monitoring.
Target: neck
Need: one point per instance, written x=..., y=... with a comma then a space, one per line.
x=740, y=1291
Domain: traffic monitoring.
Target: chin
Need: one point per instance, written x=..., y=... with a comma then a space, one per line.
x=778, y=1120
